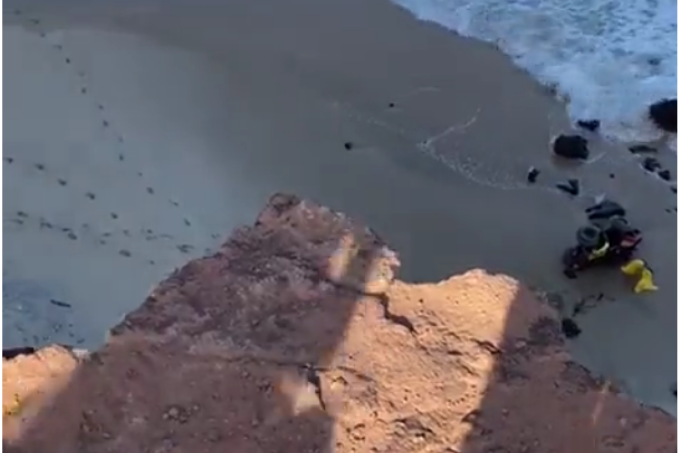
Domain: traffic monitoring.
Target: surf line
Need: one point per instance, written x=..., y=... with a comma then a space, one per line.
x=429, y=141
x=427, y=145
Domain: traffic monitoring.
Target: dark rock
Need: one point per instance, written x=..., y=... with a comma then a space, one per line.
x=570, y=329
x=605, y=210
x=642, y=149
x=612, y=175
x=665, y=175
x=572, y=187
x=674, y=189
x=10, y=353
x=60, y=303
x=571, y=147
x=391, y=105
x=349, y=145
x=589, y=125
x=575, y=184
x=532, y=175
x=664, y=114
x=650, y=164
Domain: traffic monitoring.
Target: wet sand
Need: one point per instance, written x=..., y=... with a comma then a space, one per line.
x=213, y=108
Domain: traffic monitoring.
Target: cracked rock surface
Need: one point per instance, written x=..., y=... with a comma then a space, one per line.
x=296, y=337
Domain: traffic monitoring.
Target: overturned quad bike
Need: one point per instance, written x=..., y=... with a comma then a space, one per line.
x=607, y=240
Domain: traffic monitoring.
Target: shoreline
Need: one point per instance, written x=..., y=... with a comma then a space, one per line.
x=569, y=84
x=265, y=101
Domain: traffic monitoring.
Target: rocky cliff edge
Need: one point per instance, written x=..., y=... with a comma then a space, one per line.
x=296, y=337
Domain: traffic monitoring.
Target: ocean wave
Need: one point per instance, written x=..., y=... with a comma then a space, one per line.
x=607, y=59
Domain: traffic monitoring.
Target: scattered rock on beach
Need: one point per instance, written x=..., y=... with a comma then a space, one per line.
x=348, y=145
x=664, y=114
x=10, y=353
x=642, y=149
x=570, y=329
x=665, y=175
x=651, y=164
x=589, y=125
x=60, y=303
x=605, y=209
x=571, y=147
x=572, y=187
x=533, y=175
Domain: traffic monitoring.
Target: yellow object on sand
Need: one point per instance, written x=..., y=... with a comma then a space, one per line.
x=646, y=282
x=634, y=267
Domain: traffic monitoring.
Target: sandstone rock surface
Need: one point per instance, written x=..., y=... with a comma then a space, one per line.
x=296, y=337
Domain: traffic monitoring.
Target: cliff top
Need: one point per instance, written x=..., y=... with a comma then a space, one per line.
x=296, y=337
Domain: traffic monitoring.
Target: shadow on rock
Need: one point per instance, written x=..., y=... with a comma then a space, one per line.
x=227, y=352
x=295, y=337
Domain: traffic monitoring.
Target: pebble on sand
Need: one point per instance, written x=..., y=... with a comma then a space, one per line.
x=605, y=210
x=650, y=164
x=589, y=125
x=349, y=145
x=572, y=187
x=571, y=147
x=642, y=149
x=665, y=175
x=533, y=175
x=664, y=114
x=570, y=329
x=60, y=303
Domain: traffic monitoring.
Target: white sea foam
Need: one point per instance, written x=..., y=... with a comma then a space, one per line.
x=609, y=59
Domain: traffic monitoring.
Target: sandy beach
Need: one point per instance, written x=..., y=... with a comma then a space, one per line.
x=138, y=135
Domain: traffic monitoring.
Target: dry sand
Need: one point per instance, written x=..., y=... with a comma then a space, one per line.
x=216, y=107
